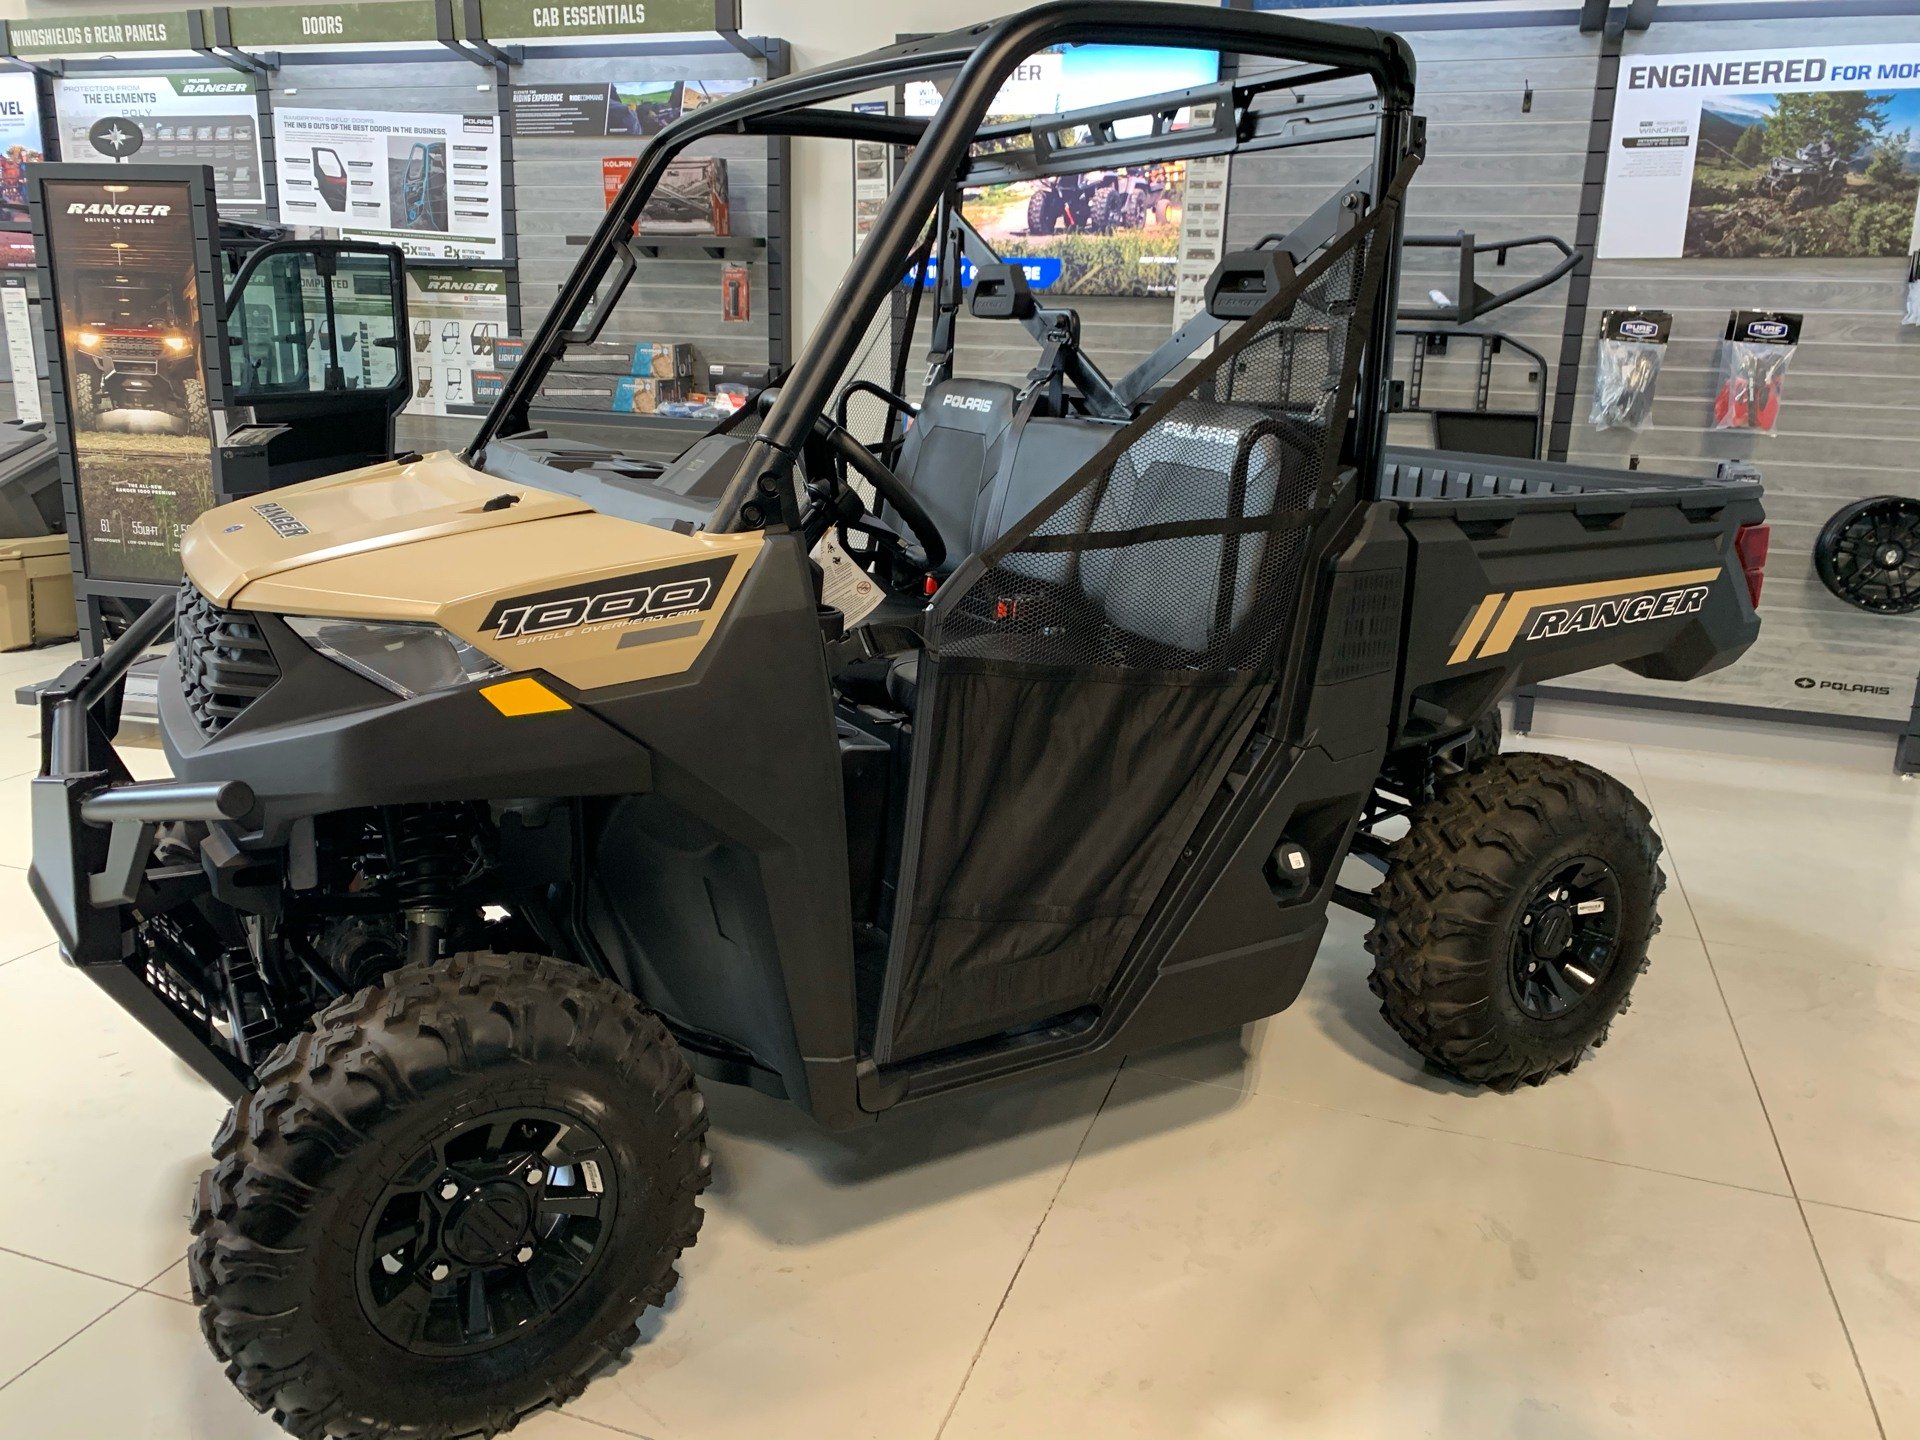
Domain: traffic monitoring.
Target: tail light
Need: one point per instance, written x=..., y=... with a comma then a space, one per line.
x=1750, y=543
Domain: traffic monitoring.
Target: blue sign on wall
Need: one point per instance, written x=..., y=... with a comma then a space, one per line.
x=1043, y=271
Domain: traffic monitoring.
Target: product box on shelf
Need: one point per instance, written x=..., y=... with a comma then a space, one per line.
x=487, y=385
x=507, y=353
x=636, y=395
x=672, y=360
x=691, y=199
x=752, y=378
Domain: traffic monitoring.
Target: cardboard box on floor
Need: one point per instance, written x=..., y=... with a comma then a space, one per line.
x=36, y=592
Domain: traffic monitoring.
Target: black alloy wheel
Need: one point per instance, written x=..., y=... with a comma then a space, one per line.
x=486, y=1232
x=1869, y=554
x=1565, y=942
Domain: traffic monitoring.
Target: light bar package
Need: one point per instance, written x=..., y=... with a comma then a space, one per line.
x=1754, y=356
x=1626, y=367
x=1913, y=289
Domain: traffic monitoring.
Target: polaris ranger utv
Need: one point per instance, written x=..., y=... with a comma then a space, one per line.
x=516, y=787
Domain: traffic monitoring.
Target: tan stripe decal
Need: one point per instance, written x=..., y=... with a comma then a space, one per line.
x=1476, y=626
x=1501, y=637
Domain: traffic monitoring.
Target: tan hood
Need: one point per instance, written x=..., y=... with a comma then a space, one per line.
x=377, y=507
x=546, y=583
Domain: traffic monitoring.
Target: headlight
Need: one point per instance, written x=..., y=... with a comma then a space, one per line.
x=89, y=339
x=175, y=343
x=408, y=658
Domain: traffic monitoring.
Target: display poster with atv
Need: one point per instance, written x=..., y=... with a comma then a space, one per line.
x=191, y=119
x=1813, y=153
x=125, y=292
x=427, y=183
x=20, y=142
x=618, y=107
x=1108, y=231
x=455, y=318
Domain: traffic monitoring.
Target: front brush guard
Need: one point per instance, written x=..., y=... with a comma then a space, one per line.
x=93, y=830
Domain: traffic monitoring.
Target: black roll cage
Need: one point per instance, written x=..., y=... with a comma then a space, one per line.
x=953, y=148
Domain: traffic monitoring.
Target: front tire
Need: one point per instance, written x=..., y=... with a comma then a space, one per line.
x=449, y=1201
x=1517, y=911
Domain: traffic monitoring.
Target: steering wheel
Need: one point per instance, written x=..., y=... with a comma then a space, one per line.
x=830, y=508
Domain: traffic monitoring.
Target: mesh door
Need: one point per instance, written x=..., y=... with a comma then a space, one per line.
x=1089, y=676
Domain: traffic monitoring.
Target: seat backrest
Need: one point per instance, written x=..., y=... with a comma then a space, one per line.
x=953, y=451
x=1204, y=461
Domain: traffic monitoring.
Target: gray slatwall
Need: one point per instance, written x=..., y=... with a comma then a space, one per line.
x=1492, y=168
x=1849, y=423
x=558, y=187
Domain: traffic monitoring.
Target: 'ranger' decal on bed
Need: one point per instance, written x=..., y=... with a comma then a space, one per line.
x=617, y=602
x=1504, y=617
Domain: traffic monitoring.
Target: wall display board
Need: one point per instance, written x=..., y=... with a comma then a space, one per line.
x=22, y=366
x=428, y=183
x=126, y=303
x=1107, y=232
x=20, y=142
x=455, y=317
x=619, y=107
x=186, y=119
x=1810, y=153
x=16, y=250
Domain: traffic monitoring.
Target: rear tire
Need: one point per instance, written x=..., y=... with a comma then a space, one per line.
x=1043, y=212
x=306, y=1295
x=1468, y=963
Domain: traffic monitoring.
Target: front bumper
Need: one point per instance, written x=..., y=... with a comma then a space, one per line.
x=93, y=834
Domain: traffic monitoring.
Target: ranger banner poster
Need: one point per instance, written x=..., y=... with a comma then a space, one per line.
x=20, y=142
x=128, y=307
x=427, y=183
x=190, y=119
x=1810, y=152
x=457, y=317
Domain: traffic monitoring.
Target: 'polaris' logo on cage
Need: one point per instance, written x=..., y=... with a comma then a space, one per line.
x=1638, y=330
x=968, y=402
x=1205, y=434
x=282, y=521
x=1767, y=330
x=619, y=601
x=1559, y=620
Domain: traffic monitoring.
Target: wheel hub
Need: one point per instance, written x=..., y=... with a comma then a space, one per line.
x=1552, y=932
x=486, y=1231
x=1566, y=938
x=490, y=1224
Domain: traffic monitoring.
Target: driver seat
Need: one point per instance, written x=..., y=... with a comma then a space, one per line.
x=952, y=452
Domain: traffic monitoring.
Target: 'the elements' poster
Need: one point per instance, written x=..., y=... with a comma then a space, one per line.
x=1767, y=153
x=194, y=119
x=129, y=308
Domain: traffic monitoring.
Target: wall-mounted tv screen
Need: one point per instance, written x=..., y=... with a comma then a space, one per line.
x=1106, y=231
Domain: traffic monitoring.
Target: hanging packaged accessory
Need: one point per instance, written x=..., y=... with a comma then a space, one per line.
x=1754, y=357
x=1913, y=289
x=1626, y=367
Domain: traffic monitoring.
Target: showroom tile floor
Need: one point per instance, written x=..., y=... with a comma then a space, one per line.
x=1712, y=1229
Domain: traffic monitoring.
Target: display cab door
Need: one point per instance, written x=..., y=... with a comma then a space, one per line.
x=315, y=343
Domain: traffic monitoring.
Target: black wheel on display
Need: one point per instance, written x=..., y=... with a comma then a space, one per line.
x=1868, y=554
x=1043, y=211
x=449, y=1201
x=1516, y=915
